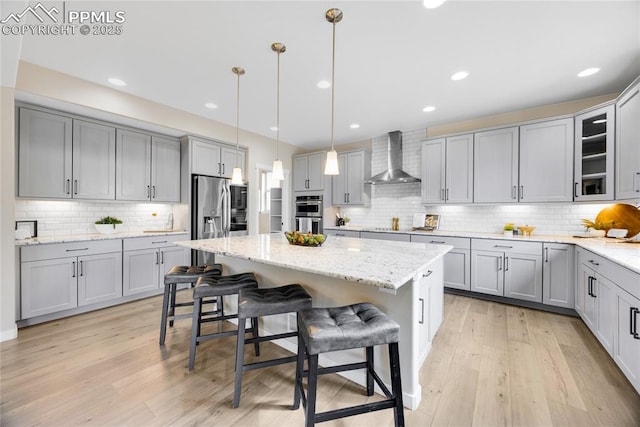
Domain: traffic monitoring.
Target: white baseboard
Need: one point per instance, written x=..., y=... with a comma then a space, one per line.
x=10, y=334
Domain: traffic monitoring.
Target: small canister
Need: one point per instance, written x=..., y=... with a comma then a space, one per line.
x=395, y=224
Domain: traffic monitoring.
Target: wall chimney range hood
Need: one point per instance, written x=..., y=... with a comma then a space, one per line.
x=394, y=173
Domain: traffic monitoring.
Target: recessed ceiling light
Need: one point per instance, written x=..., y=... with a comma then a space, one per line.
x=459, y=75
x=273, y=128
x=211, y=105
x=429, y=109
x=597, y=122
x=116, y=82
x=323, y=84
x=588, y=72
x=354, y=126
x=432, y=4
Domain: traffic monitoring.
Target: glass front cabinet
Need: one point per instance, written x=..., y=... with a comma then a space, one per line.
x=594, y=157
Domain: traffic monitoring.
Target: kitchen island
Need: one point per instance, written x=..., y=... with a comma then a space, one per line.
x=403, y=279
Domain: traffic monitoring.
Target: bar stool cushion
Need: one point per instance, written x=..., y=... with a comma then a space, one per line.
x=189, y=274
x=210, y=286
x=256, y=302
x=342, y=328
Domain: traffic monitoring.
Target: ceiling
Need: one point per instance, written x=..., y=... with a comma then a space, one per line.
x=393, y=58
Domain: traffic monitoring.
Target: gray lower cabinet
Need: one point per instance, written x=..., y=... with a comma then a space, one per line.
x=147, y=259
x=507, y=268
x=397, y=237
x=63, y=276
x=558, y=267
x=457, y=262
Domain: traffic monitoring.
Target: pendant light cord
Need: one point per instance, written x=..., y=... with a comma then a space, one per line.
x=237, y=119
x=278, y=109
x=333, y=73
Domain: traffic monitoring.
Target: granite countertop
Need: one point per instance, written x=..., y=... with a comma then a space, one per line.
x=95, y=236
x=381, y=264
x=624, y=253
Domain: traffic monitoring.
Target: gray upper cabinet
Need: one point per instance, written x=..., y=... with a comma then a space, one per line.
x=133, y=177
x=209, y=158
x=308, y=172
x=165, y=170
x=94, y=161
x=148, y=168
x=546, y=161
x=495, y=166
x=593, y=153
x=628, y=144
x=64, y=158
x=447, y=175
x=348, y=188
x=44, y=155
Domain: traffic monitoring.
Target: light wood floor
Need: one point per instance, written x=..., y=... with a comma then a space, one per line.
x=491, y=365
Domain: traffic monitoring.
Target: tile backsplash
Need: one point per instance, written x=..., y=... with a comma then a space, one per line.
x=60, y=218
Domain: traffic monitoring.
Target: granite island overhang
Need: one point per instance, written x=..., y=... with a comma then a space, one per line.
x=403, y=279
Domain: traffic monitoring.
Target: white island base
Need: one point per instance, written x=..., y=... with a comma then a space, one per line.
x=416, y=304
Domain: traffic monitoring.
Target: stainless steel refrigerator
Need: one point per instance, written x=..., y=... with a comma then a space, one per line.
x=210, y=212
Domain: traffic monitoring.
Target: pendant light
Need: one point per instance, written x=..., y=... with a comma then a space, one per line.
x=331, y=167
x=277, y=173
x=236, y=178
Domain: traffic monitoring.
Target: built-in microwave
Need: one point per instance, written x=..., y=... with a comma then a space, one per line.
x=309, y=206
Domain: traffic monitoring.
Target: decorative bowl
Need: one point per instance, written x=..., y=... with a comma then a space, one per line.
x=304, y=239
x=526, y=229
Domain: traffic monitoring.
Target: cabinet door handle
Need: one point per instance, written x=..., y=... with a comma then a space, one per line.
x=157, y=258
x=161, y=257
x=632, y=323
x=637, y=190
x=427, y=274
x=223, y=169
x=154, y=192
x=589, y=286
x=503, y=246
x=506, y=263
x=442, y=194
x=513, y=192
x=158, y=242
x=67, y=186
x=76, y=250
x=421, y=321
x=219, y=168
x=437, y=242
x=74, y=269
x=593, y=262
x=575, y=190
x=81, y=268
x=340, y=234
x=593, y=288
x=521, y=192
x=499, y=263
x=546, y=254
x=75, y=186
x=446, y=194
x=148, y=191
x=345, y=197
x=348, y=197
x=635, y=325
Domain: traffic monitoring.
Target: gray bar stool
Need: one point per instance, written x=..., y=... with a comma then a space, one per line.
x=259, y=302
x=341, y=328
x=215, y=286
x=180, y=274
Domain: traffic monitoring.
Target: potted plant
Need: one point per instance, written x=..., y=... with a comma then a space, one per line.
x=107, y=224
x=508, y=228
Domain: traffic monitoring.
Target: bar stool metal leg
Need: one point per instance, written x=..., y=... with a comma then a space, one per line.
x=163, y=320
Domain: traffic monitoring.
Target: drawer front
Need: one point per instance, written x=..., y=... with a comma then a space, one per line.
x=530, y=248
x=398, y=237
x=136, y=243
x=342, y=233
x=62, y=250
x=456, y=242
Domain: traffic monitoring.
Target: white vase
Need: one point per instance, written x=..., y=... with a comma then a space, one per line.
x=508, y=232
